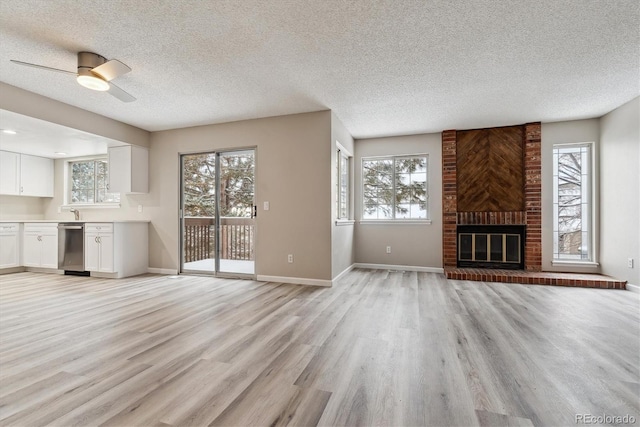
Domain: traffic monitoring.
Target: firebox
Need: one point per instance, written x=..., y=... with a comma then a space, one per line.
x=491, y=246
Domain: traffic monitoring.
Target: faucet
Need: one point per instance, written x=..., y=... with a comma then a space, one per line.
x=76, y=213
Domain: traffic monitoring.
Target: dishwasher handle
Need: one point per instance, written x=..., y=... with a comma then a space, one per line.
x=70, y=227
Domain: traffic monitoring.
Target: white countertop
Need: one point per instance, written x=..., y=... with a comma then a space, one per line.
x=82, y=221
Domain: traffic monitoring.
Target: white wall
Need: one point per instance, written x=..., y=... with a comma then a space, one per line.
x=416, y=245
x=21, y=208
x=30, y=104
x=562, y=133
x=620, y=191
x=343, y=250
x=293, y=173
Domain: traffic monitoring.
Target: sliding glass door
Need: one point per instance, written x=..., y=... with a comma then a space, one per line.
x=218, y=212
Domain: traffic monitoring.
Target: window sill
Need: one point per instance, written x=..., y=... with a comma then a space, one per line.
x=394, y=221
x=345, y=222
x=574, y=263
x=90, y=206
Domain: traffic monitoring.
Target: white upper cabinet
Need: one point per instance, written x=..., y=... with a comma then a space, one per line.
x=9, y=173
x=128, y=169
x=36, y=176
x=25, y=175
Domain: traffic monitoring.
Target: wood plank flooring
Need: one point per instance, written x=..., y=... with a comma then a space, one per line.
x=379, y=348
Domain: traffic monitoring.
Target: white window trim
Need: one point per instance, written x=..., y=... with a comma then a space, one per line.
x=401, y=221
x=341, y=151
x=387, y=221
x=593, y=261
x=67, y=205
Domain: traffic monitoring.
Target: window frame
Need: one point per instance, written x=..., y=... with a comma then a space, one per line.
x=588, y=194
x=68, y=184
x=394, y=219
x=343, y=182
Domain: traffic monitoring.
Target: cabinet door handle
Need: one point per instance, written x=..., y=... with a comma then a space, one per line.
x=95, y=239
x=99, y=239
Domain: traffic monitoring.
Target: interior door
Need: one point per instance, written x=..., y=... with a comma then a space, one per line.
x=236, y=212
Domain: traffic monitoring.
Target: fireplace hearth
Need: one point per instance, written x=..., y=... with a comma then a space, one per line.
x=491, y=246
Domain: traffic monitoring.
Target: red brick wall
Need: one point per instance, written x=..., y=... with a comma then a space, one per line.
x=449, y=198
x=533, y=197
x=531, y=217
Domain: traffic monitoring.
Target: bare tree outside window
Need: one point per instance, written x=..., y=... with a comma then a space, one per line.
x=571, y=202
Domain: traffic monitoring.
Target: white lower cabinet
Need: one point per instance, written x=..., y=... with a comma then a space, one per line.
x=40, y=245
x=98, y=247
x=9, y=245
x=117, y=249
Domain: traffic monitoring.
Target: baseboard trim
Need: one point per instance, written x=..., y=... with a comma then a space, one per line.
x=633, y=288
x=9, y=270
x=399, y=267
x=167, y=271
x=295, y=280
x=344, y=272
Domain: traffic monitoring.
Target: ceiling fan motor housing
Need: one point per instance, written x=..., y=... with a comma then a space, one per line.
x=87, y=61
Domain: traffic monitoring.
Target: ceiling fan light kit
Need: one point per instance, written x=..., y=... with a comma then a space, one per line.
x=92, y=82
x=95, y=73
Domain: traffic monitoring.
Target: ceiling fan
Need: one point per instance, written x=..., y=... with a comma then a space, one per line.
x=95, y=72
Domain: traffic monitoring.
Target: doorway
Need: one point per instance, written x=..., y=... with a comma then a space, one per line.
x=217, y=213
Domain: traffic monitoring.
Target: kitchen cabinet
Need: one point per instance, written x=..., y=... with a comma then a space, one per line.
x=9, y=245
x=9, y=173
x=98, y=247
x=25, y=175
x=118, y=249
x=40, y=245
x=128, y=169
x=36, y=176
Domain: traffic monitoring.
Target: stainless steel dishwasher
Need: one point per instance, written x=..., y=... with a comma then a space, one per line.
x=71, y=247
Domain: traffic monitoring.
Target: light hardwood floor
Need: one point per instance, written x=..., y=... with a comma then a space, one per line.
x=379, y=348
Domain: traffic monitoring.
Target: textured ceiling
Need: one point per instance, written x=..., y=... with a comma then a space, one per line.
x=384, y=67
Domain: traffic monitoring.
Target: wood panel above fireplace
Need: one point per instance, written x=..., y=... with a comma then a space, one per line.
x=490, y=166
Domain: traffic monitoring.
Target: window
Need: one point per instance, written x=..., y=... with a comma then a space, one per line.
x=89, y=182
x=394, y=188
x=343, y=185
x=572, y=225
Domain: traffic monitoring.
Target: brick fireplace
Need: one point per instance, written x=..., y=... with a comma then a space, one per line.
x=492, y=177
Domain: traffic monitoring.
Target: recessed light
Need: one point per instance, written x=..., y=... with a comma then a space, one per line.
x=60, y=153
x=9, y=131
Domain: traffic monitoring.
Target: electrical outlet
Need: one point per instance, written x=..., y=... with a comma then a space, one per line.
x=265, y=206
x=140, y=208
x=59, y=209
x=388, y=249
x=630, y=262
x=290, y=258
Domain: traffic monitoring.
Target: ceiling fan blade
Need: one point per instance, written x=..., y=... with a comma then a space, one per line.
x=28, y=64
x=120, y=94
x=111, y=69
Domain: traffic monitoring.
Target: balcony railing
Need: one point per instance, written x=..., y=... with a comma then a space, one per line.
x=236, y=238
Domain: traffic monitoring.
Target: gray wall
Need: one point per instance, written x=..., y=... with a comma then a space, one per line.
x=293, y=173
x=620, y=191
x=418, y=245
x=343, y=250
x=563, y=133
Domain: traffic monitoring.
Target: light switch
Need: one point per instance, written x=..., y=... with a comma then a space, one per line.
x=266, y=206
